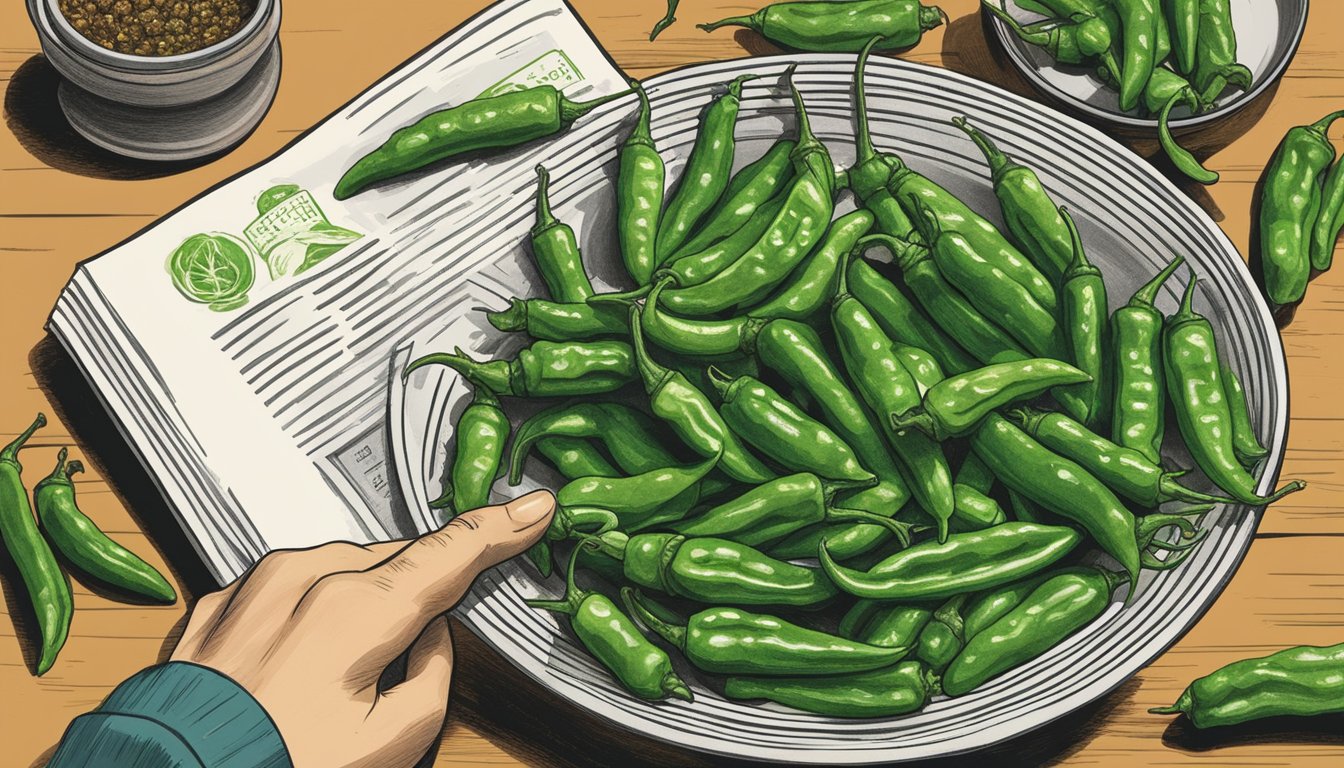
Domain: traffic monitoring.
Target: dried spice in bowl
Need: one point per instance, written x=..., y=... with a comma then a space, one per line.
x=156, y=27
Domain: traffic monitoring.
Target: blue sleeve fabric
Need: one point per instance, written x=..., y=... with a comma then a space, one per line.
x=175, y=714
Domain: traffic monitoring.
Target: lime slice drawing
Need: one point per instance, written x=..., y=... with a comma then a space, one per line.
x=214, y=269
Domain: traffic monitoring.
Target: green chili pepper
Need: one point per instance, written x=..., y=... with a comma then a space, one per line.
x=847, y=540
x=1138, y=22
x=770, y=512
x=568, y=523
x=902, y=320
x=1194, y=384
x=1330, y=219
x=1290, y=202
x=715, y=571
x=1216, y=51
x=575, y=457
x=782, y=432
x=966, y=562
x=690, y=414
x=1032, y=217
x=733, y=641
x=798, y=225
x=47, y=588
x=943, y=637
x=974, y=511
x=750, y=190
x=1139, y=395
x=1165, y=91
x=1084, y=322
x=1063, y=604
x=919, y=364
x=985, y=239
x=1299, y=682
x=1124, y=470
x=955, y=406
x=868, y=176
x=639, y=196
x=552, y=321
x=821, y=27
x=697, y=267
x=886, y=386
x=691, y=338
x=814, y=282
x=628, y=434
x=986, y=608
x=895, y=690
x=707, y=171
x=949, y=309
x=556, y=250
x=493, y=122
x=1076, y=38
x=1060, y=486
x=478, y=440
x=1027, y=511
x=893, y=626
x=546, y=369
x=643, y=501
x=974, y=474
x=1244, y=442
x=1183, y=21
x=616, y=642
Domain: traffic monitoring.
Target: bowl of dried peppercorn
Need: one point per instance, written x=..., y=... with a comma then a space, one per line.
x=162, y=79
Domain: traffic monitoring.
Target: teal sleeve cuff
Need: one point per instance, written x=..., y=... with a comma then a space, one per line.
x=176, y=714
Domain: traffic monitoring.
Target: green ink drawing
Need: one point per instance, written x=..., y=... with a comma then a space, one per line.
x=291, y=233
x=552, y=68
x=213, y=269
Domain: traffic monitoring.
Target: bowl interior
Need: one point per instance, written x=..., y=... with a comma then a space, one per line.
x=1132, y=221
x=1267, y=37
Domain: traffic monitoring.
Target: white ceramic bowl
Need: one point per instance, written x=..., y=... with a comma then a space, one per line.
x=1132, y=220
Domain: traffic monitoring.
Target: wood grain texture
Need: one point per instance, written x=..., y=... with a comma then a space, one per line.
x=62, y=200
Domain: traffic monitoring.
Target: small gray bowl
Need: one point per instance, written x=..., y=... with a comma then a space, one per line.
x=164, y=107
x=1268, y=33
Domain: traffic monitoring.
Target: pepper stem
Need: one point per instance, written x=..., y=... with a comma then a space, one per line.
x=672, y=633
x=999, y=162
x=863, y=140
x=545, y=219
x=1146, y=296
x=642, y=134
x=627, y=297
x=931, y=17
x=666, y=21
x=1028, y=419
x=494, y=374
x=58, y=475
x=573, y=110
x=916, y=418
x=722, y=383
x=735, y=87
x=1181, y=707
x=753, y=22
x=73, y=468
x=1187, y=310
x=650, y=372
x=1079, y=266
x=512, y=319
x=445, y=499
x=569, y=604
x=1323, y=125
x=1185, y=162
x=807, y=141
x=893, y=526
x=10, y=453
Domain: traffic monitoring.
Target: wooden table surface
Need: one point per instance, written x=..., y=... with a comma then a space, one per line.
x=62, y=200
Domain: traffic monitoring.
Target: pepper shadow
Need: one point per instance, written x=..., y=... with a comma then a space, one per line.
x=103, y=448
x=1322, y=730
x=33, y=113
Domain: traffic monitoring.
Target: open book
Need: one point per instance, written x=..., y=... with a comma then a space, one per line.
x=243, y=343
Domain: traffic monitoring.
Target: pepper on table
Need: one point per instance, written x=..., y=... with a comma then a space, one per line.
x=840, y=28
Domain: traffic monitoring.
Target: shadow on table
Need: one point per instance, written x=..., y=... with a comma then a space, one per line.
x=1323, y=729
x=33, y=113
x=104, y=449
x=538, y=727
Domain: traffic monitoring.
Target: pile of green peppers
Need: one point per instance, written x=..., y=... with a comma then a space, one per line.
x=838, y=484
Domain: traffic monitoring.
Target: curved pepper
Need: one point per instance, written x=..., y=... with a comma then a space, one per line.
x=750, y=189
x=642, y=501
x=1139, y=400
x=556, y=250
x=546, y=369
x=555, y=321
x=1084, y=322
x=478, y=441
x=824, y=27
x=902, y=320
x=895, y=690
x=955, y=406
x=639, y=196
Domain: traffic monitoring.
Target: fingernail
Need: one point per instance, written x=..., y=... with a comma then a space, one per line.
x=531, y=509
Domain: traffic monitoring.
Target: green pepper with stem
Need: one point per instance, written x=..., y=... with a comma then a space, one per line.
x=568, y=523
x=1305, y=681
x=646, y=500
x=1194, y=384
x=1032, y=217
x=615, y=641
x=886, y=386
x=1138, y=397
x=1060, y=486
x=574, y=457
x=1138, y=25
x=827, y=27
x=488, y=123
x=556, y=250
x=770, y=512
x=47, y=588
x=902, y=320
x=966, y=562
x=86, y=547
x=734, y=641
x=1244, y=442
x=555, y=321
x=1289, y=203
x=1329, y=219
x=811, y=286
x=782, y=432
x=1006, y=303
x=750, y=190
x=1063, y=604
x=1124, y=470
x=714, y=571
x=955, y=406
x=707, y=171
x=639, y=196
x=668, y=20
x=478, y=441
x=629, y=435
x=1216, y=51
x=1077, y=38
x=984, y=340
x=690, y=414
x=1084, y=317
x=1165, y=91
x=871, y=169
x=546, y=369
x=895, y=690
